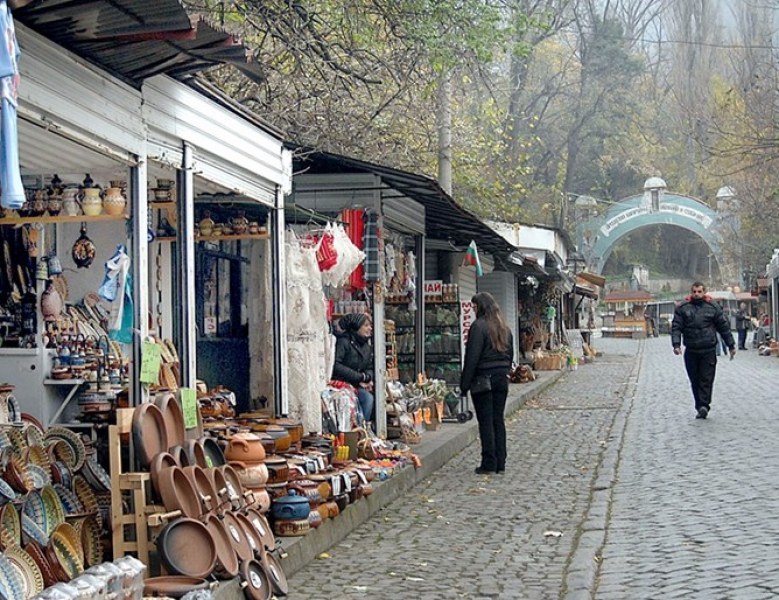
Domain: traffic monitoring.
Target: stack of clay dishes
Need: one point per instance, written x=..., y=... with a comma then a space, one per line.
x=246, y=454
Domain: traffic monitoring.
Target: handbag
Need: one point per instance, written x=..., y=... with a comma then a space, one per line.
x=482, y=383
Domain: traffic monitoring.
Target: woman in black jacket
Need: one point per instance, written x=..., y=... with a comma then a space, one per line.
x=354, y=359
x=488, y=357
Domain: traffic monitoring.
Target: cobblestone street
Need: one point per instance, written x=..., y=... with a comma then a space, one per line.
x=612, y=491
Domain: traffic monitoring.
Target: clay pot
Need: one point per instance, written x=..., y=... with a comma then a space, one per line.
x=196, y=455
x=278, y=469
x=256, y=583
x=161, y=461
x=275, y=573
x=237, y=537
x=148, y=432
x=179, y=493
x=293, y=506
x=226, y=558
x=114, y=202
x=262, y=527
x=252, y=536
x=245, y=447
x=262, y=499
x=234, y=486
x=92, y=203
x=294, y=428
x=314, y=519
x=280, y=435
x=176, y=543
x=342, y=500
x=252, y=475
x=291, y=527
x=309, y=489
x=172, y=586
x=203, y=485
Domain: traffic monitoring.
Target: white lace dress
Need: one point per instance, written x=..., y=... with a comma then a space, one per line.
x=307, y=335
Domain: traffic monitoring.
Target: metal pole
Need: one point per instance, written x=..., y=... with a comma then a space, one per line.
x=185, y=271
x=140, y=262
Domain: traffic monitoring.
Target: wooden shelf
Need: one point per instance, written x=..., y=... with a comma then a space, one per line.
x=60, y=219
x=222, y=238
x=154, y=204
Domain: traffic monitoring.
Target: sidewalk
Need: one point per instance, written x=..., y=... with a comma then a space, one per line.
x=435, y=450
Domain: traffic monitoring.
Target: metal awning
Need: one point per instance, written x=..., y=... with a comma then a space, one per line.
x=445, y=219
x=136, y=39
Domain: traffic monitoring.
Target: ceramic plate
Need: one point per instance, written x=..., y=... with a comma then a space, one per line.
x=69, y=499
x=14, y=411
x=73, y=440
x=35, y=509
x=12, y=578
x=17, y=439
x=10, y=524
x=86, y=496
x=32, y=531
x=55, y=512
x=40, y=478
x=7, y=493
x=28, y=569
x=96, y=475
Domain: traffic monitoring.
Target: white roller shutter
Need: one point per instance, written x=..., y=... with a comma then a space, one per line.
x=503, y=286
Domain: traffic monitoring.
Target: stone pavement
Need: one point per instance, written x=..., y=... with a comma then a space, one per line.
x=459, y=535
x=613, y=491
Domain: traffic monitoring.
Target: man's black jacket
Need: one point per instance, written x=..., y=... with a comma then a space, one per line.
x=698, y=322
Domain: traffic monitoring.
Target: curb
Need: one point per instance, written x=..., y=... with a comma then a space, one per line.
x=436, y=449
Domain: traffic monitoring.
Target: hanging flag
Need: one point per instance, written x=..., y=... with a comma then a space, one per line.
x=12, y=190
x=472, y=258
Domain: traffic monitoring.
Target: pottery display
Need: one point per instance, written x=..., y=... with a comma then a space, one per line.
x=51, y=303
x=149, y=432
x=206, y=224
x=114, y=201
x=178, y=492
x=92, y=202
x=292, y=506
x=71, y=201
x=176, y=543
x=172, y=586
x=245, y=448
x=226, y=558
x=83, y=251
x=256, y=582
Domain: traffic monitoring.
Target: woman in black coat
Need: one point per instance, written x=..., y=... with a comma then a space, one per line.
x=489, y=354
x=354, y=359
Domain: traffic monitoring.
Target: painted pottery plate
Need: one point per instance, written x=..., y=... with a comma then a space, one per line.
x=28, y=569
x=35, y=508
x=13, y=578
x=33, y=532
x=86, y=496
x=40, y=478
x=7, y=493
x=55, y=511
x=73, y=440
x=11, y=524
x=69, y=499
x=17, y=440
x=96, y=475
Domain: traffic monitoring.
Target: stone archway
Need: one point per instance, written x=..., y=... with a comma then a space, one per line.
x=597, y=236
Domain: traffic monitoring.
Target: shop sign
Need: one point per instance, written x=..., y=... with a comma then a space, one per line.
x=434, y=290
x=467, y=317
x=151, y=360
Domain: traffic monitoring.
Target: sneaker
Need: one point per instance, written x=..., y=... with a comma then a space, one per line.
x=703, y=412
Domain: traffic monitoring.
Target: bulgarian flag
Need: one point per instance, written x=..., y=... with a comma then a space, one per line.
x=472, y=258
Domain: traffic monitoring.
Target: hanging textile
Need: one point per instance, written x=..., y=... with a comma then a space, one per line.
x=117, y=291
x=11, y=186
x=307, y=334
x=371, y=246
x=355, y=229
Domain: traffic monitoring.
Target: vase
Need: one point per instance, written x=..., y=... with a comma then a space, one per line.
x=92, y=203
x=114, y=202
x=71, y=197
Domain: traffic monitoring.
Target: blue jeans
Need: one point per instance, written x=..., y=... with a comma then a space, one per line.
x=365, y=403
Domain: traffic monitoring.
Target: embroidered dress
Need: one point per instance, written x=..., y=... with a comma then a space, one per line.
x=307, y=335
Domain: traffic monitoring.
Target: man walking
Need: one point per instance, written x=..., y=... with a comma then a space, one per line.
x=742, y=324
x=697, y=321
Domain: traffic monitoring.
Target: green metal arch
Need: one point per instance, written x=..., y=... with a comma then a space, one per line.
x=597, y=237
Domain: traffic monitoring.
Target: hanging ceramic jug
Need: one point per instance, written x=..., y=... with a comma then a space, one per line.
x=55, y=266
x=114, y=201
x=83, y=251
x=51, y=303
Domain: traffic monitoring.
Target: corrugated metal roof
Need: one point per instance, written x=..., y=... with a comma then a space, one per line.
x=445, y=219
x=136, y=39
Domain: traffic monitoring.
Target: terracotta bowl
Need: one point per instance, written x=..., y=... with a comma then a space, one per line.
x=149, y=433
x=179, y=493
x=186, y=547
x=172, y=586
x=196, y=454
x=255, y=582
x=262, y=527
x=204, y=486
x=226, y=558
x=162, y=460
x=278, y=469
x=275, y=572
x=238, y=537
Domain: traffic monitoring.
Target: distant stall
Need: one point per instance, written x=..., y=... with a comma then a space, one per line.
x=625, y=315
